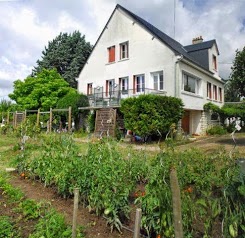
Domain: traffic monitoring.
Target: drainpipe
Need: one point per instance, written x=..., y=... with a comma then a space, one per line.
x=176, y=76
x=176, y=87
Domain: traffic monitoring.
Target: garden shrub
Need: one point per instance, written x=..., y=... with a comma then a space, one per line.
x=151, y=114
x=216, y=130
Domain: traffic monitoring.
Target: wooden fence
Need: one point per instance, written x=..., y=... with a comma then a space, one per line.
x=17, y=117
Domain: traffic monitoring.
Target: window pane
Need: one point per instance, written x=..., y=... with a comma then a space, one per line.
x=155, y=78
x=189, y=84
x=161, y=82
x=124, y=50
x=140, y=83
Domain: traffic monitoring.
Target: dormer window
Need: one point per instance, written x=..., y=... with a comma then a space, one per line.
x=111, y=54
x=214, y=62
x=124, y=50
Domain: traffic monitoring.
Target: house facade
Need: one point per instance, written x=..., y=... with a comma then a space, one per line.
x=132, y=57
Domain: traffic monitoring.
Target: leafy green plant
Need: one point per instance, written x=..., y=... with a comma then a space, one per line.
x=30, y=209
x=9, y=190
x=217, y=130
x=52, y=225
x=7, y=229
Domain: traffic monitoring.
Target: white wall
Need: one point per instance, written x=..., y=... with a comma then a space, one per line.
x=146, y=54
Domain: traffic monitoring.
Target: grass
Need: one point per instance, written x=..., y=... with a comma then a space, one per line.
x=6, y=150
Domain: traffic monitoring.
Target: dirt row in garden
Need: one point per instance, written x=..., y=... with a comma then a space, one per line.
x=94, y=226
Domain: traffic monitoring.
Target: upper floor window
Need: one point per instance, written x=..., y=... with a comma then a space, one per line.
x=215, y=92
x=158, y=80
x=209, y=90
x=111, y=54
x=139, y=83
x=190, y=83
x=220, y=95
x=89, y=89
x=123, y=82
x=214, y=62
x=124, y=50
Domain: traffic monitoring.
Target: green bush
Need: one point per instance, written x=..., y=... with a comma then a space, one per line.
x=151, y=114
x=217, y=130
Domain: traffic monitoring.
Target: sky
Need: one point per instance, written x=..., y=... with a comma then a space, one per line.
x=26, y=27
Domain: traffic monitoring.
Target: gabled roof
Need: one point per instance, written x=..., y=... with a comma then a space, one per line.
x=170, y=42
x=201, y=46
x=167, y=40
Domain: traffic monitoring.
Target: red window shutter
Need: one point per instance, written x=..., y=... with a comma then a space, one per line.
x=111, y=52
x=106, y=88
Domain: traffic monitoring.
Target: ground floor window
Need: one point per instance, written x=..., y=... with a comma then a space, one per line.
x=139, y=83
x=157, y=80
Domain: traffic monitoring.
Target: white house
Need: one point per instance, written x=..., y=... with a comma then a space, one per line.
x=132, y=57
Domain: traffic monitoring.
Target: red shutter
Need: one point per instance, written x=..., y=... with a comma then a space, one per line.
x=111, y=52
x=106, y=88
x=134, y=82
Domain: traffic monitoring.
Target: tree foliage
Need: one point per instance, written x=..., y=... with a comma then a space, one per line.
x=41, y=91
x=150, y=114
x=235, y=88
x=67, y=53
x=5, y=105
x=74, y=100
x=233, y=110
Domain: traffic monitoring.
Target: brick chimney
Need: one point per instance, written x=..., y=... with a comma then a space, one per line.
x=197, y=40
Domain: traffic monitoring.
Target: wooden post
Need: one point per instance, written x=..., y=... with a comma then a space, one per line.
x=69, y=120
x=24, y=116
x=75, y=209
x=38, y=117
x=8, y=117
x=176, y=199
x=50, y=120
x=15, y=119
x=137, y=223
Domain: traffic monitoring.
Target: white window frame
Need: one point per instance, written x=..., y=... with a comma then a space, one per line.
x=209, y=90
x=188, y=77
x=157, y=85
x=123, y=52
x=140, y=83
x=124, y=85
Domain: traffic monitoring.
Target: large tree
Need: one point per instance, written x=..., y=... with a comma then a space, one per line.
x=75, y=100
x=67, y=53
x=235, y=87
x=40, y=91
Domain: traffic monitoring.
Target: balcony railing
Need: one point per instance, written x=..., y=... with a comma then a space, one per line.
x=101, y=99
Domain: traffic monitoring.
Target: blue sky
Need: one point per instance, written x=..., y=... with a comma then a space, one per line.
x=26, y=26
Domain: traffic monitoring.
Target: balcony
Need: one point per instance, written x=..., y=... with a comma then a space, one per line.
x=101, y=99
